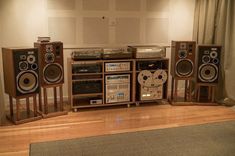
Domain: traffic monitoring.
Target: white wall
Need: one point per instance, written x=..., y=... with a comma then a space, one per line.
x=80, y=22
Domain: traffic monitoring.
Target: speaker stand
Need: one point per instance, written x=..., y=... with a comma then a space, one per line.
x=28, y=115
x=47, y=110
x=187, y=98
x=209, y=99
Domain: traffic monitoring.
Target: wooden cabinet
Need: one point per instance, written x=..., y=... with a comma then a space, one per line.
x=90, y=87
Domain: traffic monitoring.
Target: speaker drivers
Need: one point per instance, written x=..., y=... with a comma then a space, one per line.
x=53, y=73
x=183, y=59
x=184, y=68
x=21, y=73
x=27, y=81
x=208, y=72
x=51, y=63
x=208, y=63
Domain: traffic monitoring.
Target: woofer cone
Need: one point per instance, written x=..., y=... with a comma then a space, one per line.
x=184, y=68
x=27, y=81
x=208, y=72
x=53, y=73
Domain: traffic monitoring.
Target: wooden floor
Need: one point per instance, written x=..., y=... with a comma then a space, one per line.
x=15, y=140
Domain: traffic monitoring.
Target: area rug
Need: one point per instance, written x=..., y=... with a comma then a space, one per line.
x=217, y=139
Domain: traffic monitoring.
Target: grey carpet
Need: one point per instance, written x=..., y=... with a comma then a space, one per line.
x=217, y=139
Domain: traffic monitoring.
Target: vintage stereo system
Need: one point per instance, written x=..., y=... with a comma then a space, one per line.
x=117, y=88
x=116, y=53
x=87, y=87
x=183, y=59
x=150, y=65
x=147, y=51
x=51, y=63
x=87, y=68
x=87, y=54
x=117, y=66
x=21, y=72
x=208, y=63
x=151, y=84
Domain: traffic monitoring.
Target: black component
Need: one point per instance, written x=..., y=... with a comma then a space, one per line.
x=87, y=55
x=86, y=68
x=150, y=65
x=87, y=87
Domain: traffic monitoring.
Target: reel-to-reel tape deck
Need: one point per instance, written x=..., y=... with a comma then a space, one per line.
x=151, y=84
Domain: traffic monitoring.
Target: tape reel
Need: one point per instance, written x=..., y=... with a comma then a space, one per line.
x=148, y=79
x=145, y=78
x=159, y=77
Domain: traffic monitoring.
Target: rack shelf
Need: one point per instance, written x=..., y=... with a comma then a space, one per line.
x=78, y=101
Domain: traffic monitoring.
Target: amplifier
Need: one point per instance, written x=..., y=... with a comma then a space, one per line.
x=87, y=87
x=116, y=53
x=147, y=51
x=87, y=68
x=87, y=54
x=117, y=66
x=124, y=78
x=151, y=93
x=150, y=65
x=117, y=88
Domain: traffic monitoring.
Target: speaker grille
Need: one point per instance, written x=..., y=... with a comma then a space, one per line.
x=184, y=67
x=53, y=73
x=208, y=72
x=27, y=81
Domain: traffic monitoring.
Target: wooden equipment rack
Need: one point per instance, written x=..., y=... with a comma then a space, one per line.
x=100, y=76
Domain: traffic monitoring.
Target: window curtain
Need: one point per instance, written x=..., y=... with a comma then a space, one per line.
x=214, y=23
x=2, y=110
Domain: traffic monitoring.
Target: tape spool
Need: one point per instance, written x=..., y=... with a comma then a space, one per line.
x=145, y=78
x=159, y=77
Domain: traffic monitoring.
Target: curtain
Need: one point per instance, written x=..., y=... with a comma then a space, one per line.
x=2, y=110
x=214, y=24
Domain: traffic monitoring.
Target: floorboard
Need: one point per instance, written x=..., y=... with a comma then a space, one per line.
x=15, y=140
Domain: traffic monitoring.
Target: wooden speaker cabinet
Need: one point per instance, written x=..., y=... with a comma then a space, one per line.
x=21, y=72
x=208, y=64
x=51, y=63
x=183, y=59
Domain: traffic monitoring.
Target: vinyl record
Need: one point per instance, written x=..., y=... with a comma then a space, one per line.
x=159, y=77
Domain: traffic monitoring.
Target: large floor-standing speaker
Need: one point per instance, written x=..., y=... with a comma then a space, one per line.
x=208, y=63
x=183, y=59
x=51, y=63
x=21, y=72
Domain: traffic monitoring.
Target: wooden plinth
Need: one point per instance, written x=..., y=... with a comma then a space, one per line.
x=23, y=116
x=57, y=108
x=209, y=100
x=187, y=98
